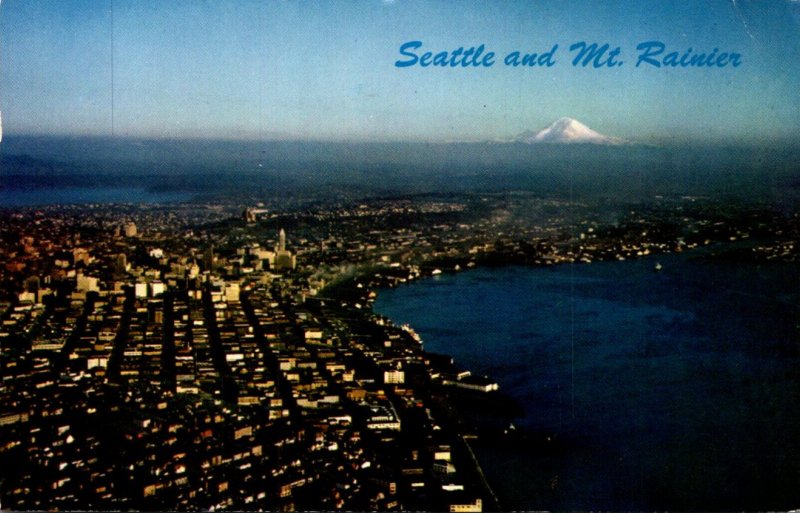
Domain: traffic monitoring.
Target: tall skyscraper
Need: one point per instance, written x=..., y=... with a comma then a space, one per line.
x=284, y=259
x=208, y=258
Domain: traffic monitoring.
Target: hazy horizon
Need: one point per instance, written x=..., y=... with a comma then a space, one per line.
x=631, y=172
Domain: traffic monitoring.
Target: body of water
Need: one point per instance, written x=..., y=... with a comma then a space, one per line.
x=32, y=197
x=677, y=389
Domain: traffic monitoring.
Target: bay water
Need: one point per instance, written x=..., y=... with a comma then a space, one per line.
x=677, y=389
x=11, y=196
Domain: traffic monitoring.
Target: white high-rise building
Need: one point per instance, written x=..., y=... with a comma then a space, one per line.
x=130, y=229
x=140, y=289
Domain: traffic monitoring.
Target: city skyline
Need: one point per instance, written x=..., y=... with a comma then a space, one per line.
x=290, y=71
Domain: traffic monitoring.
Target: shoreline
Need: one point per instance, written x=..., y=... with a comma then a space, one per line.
x=673, y=267
x=367, y=293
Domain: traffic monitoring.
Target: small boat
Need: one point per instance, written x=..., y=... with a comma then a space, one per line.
x=657, y=267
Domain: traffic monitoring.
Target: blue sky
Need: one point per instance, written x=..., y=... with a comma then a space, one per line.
x=240, y=69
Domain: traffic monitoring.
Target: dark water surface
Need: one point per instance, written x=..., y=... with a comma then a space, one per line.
x=677, y=389
x=31, y=197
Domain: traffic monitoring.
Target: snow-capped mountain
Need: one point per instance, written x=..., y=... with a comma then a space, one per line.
x=567, y=131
